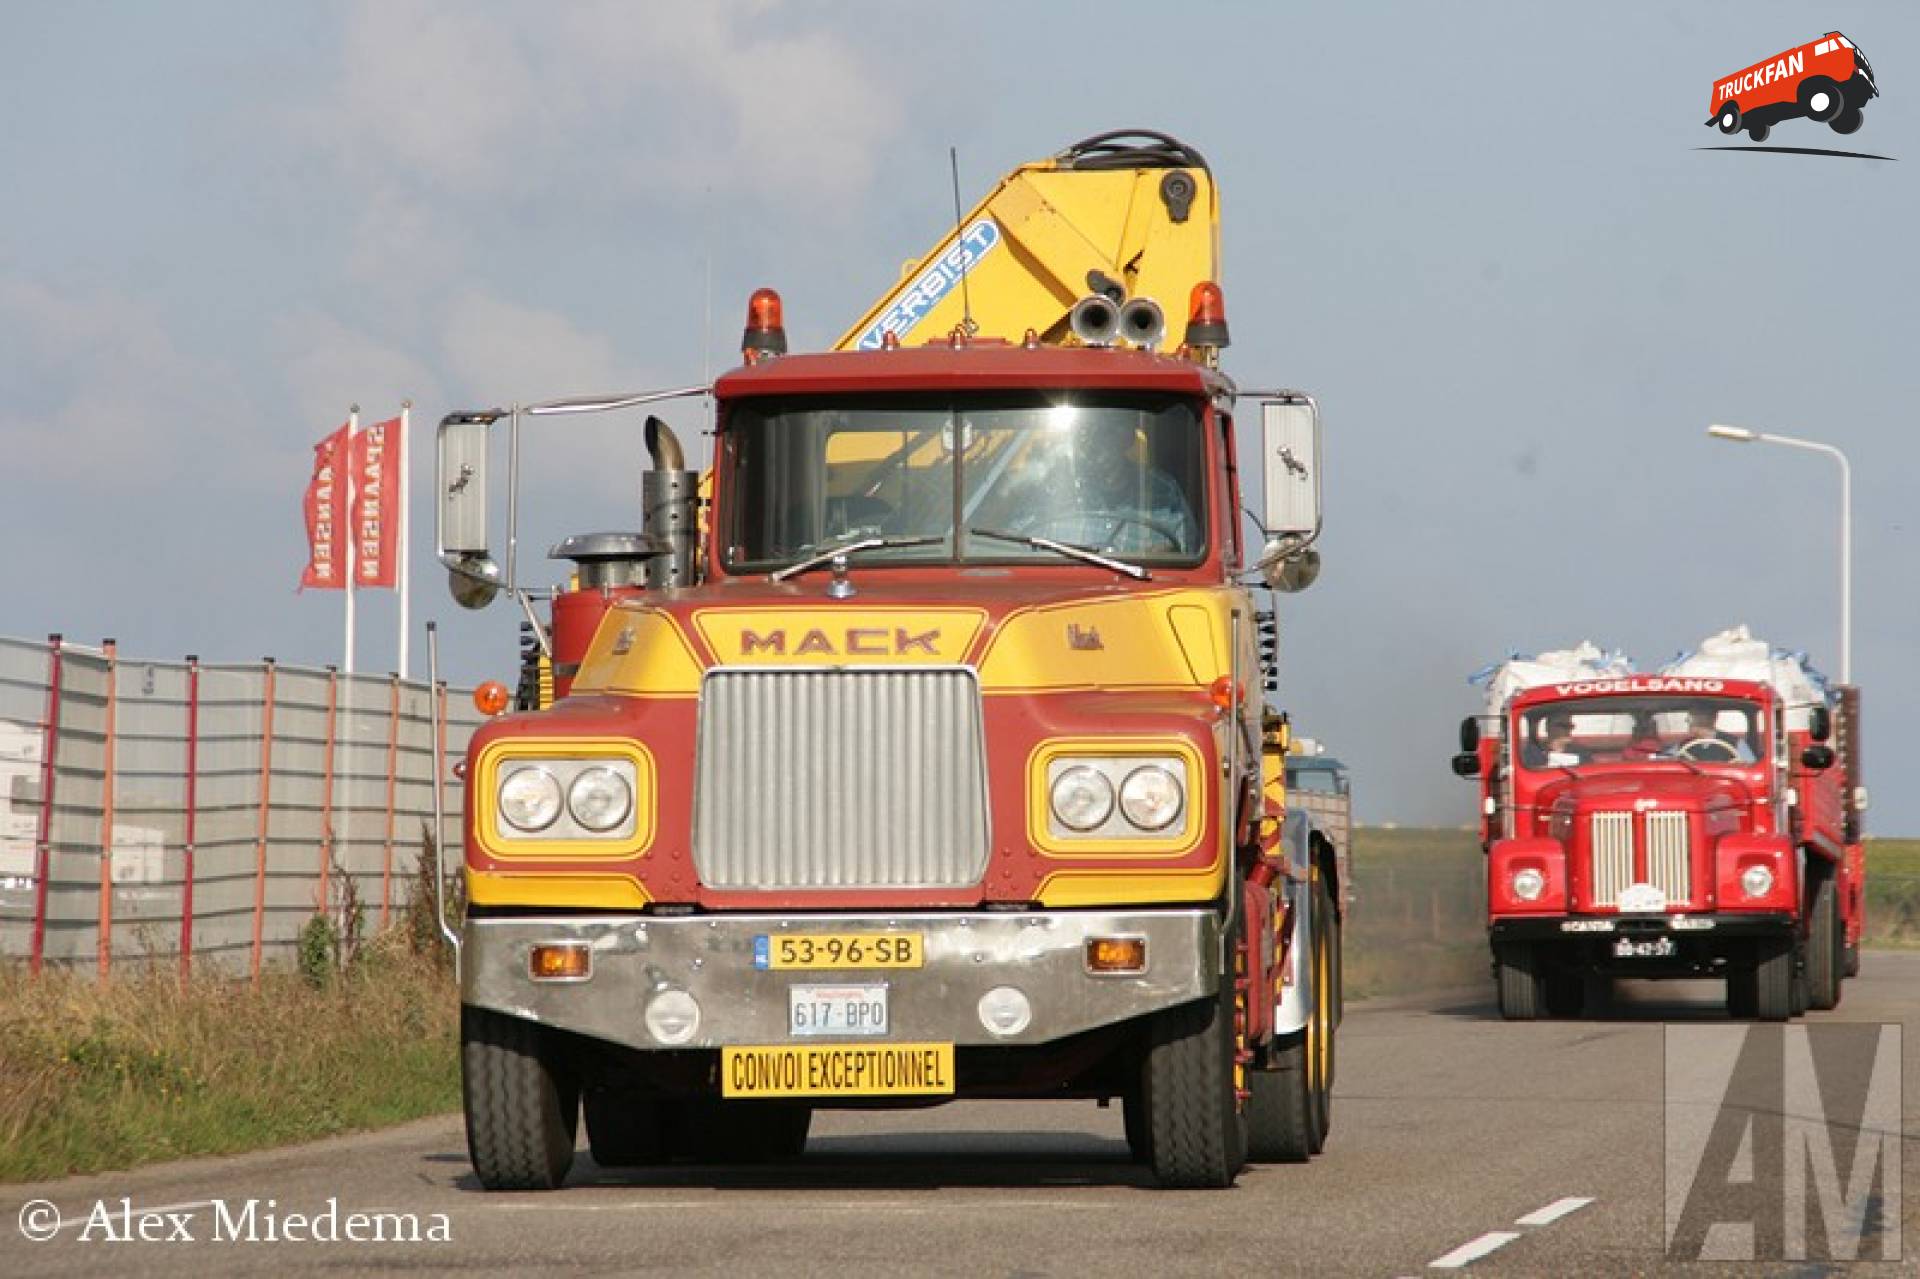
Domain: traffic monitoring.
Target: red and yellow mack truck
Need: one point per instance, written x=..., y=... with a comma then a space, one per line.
x=927, y=757
x=1702, y=821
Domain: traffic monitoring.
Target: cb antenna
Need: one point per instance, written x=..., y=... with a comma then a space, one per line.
x=966, y=301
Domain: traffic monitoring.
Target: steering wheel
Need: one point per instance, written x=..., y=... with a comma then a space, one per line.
x=1709, y=750
x=1116, y=520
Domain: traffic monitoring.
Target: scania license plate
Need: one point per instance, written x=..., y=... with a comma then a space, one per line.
x=836, y=1010
x=1652, y=948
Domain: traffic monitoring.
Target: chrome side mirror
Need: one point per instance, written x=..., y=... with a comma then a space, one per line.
x=460, y=509
x=1290, y=464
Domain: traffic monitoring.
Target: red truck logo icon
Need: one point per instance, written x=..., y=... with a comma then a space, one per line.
x=1828, y=80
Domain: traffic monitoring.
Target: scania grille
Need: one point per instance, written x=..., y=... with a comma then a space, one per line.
x=1611, y=846
x=824, y=779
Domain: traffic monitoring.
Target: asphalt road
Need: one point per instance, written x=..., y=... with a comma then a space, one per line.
x=1451, y=1130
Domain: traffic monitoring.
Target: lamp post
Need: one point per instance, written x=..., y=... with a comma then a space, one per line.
x=1742, y=435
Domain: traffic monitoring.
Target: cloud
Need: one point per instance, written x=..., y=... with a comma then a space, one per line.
x=96, y=392
x=327, y=363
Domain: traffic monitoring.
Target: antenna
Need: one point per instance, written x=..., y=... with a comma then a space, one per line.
x=966, y=301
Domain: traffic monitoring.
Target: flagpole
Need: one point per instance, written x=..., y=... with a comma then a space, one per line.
x=353, y=534
x=400, y=579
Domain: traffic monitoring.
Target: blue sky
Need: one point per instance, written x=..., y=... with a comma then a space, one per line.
x=1482, y=234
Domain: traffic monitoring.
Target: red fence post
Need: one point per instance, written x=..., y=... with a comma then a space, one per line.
x=104, y=938
x=43, y=837
x=393, y=763
x=260, y=841
x=192, y=819
x=326, y=788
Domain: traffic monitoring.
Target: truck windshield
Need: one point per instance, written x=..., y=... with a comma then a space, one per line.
x=1617, y=730
x=1119, y=474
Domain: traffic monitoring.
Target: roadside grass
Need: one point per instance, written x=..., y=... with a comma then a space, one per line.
x=137, y=1069
x=1418, y=920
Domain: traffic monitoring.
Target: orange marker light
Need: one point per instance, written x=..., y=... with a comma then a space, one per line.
x=1116, y=954
x=1206, y=316
x=570, y=962
x=1220, y=692
x=490, y=698
x=766, y=333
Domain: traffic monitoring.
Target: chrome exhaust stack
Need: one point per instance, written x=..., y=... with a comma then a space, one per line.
x=669, y=506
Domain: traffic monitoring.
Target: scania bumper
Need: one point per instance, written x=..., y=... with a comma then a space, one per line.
x=722, y=963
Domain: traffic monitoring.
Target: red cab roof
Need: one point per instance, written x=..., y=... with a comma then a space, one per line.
x=1643, y=685
x=976, y=367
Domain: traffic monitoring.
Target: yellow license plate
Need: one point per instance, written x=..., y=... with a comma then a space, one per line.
x=836, y=1070
x=818, y=951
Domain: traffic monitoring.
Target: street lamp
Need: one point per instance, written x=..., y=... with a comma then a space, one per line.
x=1741, y=435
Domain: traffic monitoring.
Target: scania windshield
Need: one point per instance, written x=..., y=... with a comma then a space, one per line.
x=1627, y=730
x=1120, y=475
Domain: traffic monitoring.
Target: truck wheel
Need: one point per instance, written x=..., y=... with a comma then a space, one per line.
x=1773, y=981
x=1280, y=1111
x=1820, y=98
x=1848, y=121
x=1199, y=1134
x=1133, y=1113
x=1519, y=982
x=1825, y=944
x=1758, y=131
x=1730, y=118
x=1566, y=993
x=523, y=1108
x=1321, y=1042
x=623, y=1128
x=1853, y=961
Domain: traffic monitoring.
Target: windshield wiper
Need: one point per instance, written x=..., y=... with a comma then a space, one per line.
x=833, y=553
x=1086, y=554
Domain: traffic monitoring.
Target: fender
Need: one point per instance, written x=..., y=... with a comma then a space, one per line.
x=1296, y=997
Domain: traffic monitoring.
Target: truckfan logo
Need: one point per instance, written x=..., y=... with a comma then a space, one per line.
x=1783, y=1143
x=1828, y=81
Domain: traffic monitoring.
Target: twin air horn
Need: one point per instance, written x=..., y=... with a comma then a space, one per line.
x=1098, y=320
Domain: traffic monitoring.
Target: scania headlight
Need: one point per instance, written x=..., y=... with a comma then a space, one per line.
x=1151, y=797
x=530, y=799
x=600, y=799
x=1756, y=881
x=1528, y=884
x=1082, y=798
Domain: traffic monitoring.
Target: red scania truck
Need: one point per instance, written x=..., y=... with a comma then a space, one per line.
x=1828, y=80
x=1670, y=825
x=923, y=755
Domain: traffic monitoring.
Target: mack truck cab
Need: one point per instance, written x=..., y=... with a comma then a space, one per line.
x=925, y=757
x=1654, y=826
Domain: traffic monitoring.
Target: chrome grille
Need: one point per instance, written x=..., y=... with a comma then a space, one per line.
x=840, y=779
x=1610, y=840
x=1667, y=867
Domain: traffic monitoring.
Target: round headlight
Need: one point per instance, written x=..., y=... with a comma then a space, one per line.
x=1528, y=884
x=1151, y=797
x=1756, y=881
x=673, y=1017
x=530, y=799
x=1082, y=798
x=600, y=799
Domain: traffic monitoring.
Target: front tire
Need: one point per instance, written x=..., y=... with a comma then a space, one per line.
x=1519, y=981
x=1730, y=118
x=1821, y=99
x=1773, y=981
x=1199, y=1136
x=522, y=1105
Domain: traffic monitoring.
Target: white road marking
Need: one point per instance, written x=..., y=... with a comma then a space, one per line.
x=1554, y=1211
x=997, y=1205
x=1474, y=1249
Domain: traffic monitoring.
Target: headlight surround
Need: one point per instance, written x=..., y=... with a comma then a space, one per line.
x=600, y=799
x=529, y=798
x=1756, y=881
x=1082, y=798
x=1151, y=798
x=1528, y=884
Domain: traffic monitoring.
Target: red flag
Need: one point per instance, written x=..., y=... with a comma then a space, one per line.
x=376, y=504
x=326, y=511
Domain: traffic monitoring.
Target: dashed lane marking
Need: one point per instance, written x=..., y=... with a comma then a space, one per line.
x=1474, y=1249
x=1553, y=1211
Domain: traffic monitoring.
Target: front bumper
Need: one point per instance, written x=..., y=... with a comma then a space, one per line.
x=1041, y=953
x=1700, y=928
